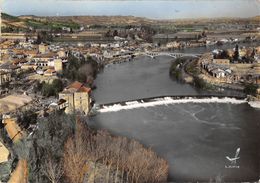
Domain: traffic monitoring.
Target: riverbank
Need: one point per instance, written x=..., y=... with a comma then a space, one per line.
x=189, y=71
x=193, y=70
x=254, y=101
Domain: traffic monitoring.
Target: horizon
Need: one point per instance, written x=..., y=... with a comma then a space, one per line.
x=158, y=10
x=197, y=18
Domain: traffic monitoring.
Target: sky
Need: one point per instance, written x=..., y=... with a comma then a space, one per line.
x=155, y=9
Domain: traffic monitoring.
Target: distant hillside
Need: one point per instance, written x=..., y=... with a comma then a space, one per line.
x=131, y=20
x=12, y=23
x=56, y=22
x=9, y=17
x=95, y=20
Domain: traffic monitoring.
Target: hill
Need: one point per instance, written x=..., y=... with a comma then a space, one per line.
x=57, y=22
x=14, y=24
x=9, y=21
x=94, y=20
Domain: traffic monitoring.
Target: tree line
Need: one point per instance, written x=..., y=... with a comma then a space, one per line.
x=65, y=149
x=81, y=69
x=125, y=160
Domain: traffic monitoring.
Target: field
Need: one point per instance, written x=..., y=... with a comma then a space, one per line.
x=13, y=102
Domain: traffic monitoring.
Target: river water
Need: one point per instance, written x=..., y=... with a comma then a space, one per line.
x=194, y=138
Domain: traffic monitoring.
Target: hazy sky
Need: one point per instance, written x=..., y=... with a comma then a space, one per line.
x=164, y=9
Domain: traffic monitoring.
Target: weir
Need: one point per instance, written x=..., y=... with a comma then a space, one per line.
x=168, y=99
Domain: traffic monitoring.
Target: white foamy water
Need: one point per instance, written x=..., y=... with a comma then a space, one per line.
x=254, y=104
x=167, y=100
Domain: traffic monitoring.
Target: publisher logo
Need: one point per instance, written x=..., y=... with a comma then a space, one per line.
x=233, y=160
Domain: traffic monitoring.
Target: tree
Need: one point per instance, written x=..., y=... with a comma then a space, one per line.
x=57, y=84
x=253, y=53
x=43, y=37
x=199, y=83
x=120, y=155
x=75, y=156
x=250, y=89
x=48, y=142
x=236, y=53
x=115, y=33
x=26, y=118
x=86, y=73
x=52, y=89
x=65, y=144
x=38, y=86
x=81, y=69
x=224, y=55
x=53, y=169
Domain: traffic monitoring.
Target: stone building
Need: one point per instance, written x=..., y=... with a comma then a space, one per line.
x=43, y=48
x=58, y=65
x=77, y=98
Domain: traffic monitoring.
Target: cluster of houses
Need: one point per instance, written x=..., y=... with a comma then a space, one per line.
x=218, y=68
x=223, y=69
x=39, y=58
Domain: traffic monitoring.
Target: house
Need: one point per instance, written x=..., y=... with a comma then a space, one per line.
x=62, y=54
x=30, y=53
x=5, y=77
x=42, y=64
x=7, y=67
x=62, y=104
x=40, y=71
x=67, y=29
x=29, y=66
x=58, y=65
x=173, y=44
x=50, y=72
x=107, y=54
x=43, y=48
x=218, y=73
x=45, y=57
x=77, y=98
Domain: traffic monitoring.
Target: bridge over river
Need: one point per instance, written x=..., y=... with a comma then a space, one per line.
x=170, y=54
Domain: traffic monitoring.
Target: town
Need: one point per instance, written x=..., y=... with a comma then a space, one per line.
x=49, y=66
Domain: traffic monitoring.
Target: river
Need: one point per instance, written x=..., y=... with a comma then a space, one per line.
x=194, y=138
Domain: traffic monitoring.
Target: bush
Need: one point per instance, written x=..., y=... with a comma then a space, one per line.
x=199, y=83
x=48, y=141
x=175, y=69
x=250, y=89
x=26, y=118
x=81, y=69
x=52, y=89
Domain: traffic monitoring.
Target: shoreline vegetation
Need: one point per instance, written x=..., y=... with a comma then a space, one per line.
x=65, y=149
x=186, y=70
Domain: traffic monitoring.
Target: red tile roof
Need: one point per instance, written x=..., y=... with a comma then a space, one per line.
x=78, y=86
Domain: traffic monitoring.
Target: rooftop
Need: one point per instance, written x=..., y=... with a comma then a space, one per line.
x=76, y=87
